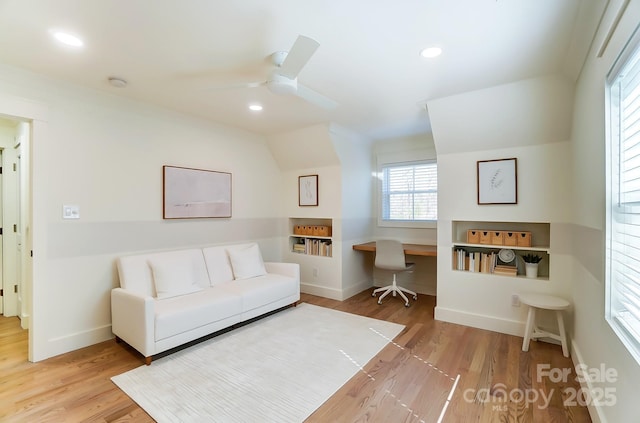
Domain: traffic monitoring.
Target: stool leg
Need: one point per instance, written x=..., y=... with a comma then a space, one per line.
x=563, y=334
x=531, y=317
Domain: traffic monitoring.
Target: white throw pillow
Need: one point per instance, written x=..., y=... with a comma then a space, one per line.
x=173, y=277
x=246, y=262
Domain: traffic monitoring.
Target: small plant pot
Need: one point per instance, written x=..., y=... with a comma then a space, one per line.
x=531, y=270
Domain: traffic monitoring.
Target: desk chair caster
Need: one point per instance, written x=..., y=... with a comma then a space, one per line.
x=406, y=303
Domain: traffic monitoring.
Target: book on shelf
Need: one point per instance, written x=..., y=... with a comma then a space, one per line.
x=314, y=247
x=476, y=261
x=502, y=269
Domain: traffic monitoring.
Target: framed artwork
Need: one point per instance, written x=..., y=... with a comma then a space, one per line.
x=498, y=181
x=195, y=193
x=308, y=190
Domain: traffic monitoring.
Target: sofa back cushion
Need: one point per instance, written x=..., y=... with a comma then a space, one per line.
x=218, y=262
x=174, y=276
x=136, y=272
x=246, y=262
x=218, y=265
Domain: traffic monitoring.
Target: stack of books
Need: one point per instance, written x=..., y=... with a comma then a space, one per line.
x=502, y=269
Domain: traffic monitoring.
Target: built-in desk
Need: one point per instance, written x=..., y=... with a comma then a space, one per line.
x=409, y=249
x=423, y=279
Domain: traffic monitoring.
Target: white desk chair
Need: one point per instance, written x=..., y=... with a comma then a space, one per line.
x=390, y=256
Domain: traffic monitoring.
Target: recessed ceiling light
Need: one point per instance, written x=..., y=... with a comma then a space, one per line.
x=255, y=107
x=431, y=52
x=68, y=39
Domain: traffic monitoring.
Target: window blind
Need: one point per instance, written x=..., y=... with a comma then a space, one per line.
x=410, y=192
x=623, y=273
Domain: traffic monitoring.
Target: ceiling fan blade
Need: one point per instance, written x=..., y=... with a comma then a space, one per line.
x=298, y=56
x=316, y=98
x=239, y=85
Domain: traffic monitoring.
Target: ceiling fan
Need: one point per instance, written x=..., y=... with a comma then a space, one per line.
x=283, y=79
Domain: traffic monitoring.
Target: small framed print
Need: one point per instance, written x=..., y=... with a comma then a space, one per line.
x=308, y=190
x=498, y=181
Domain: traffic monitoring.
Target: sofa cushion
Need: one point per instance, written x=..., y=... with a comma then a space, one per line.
x=218, y=264
x=173, y=276
x=259, y=291
x=136, y=275
x=184, y=313
x=246, y=262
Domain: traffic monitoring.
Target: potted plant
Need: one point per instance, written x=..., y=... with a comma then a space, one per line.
x=531, y=262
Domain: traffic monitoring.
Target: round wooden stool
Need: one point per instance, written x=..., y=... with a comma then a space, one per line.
x=544, y=302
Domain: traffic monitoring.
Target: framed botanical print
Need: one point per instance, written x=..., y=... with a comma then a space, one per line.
x=308, y=190
x=498, y=181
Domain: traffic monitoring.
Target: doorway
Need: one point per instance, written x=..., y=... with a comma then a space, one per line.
x=14, y=134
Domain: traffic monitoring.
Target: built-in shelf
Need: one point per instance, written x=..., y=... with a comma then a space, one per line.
x=313, y=243
x=540, y=248
x=483, y=258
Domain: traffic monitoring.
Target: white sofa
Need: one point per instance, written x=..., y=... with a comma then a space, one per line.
x=167, y=299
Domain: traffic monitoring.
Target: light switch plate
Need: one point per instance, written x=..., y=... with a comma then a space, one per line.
x=70, y=211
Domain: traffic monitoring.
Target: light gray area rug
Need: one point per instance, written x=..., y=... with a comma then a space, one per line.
x=278, y=369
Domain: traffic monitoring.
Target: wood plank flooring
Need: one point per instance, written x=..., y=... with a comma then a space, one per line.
x=410, y=380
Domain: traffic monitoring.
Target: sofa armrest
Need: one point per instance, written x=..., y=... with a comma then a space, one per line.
x=132, y=319
x=287, y=269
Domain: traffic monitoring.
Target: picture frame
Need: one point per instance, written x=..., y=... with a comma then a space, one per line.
x=308, y=190
x=497, y=181
x=189, y=193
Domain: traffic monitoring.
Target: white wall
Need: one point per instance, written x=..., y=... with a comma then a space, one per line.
x=481, y=300
x=528, y=120
x=106, y=154
x=528, y=112
x=354, y=152
x=593, y=340
x=310, y=151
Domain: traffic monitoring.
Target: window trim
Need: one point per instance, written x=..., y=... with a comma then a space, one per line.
x=614, y=208
x=385, y=223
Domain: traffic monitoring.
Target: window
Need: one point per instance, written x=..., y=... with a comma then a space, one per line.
x=409, y=192
x=623, y=209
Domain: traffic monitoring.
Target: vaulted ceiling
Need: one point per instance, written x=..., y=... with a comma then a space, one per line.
x=197, y=56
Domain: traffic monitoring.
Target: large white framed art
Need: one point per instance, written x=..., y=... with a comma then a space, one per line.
x=195, y=193
x=498, y=181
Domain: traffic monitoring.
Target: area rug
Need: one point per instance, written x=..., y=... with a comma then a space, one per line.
x=277, y=369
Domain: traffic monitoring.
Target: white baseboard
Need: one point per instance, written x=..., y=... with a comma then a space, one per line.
x=333, y=293
x=510, y=327
x=595, y=411
x=321, y=291
x=355, y=289
x=24, y=321
x=74, y=341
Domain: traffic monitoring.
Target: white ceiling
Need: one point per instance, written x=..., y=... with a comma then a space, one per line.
x=180, y=53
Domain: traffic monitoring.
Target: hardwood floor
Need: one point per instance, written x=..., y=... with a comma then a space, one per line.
x=410, y=380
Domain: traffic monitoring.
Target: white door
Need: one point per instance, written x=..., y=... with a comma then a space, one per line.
x=4, y=288
x=9, y=206
x=19, y=226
